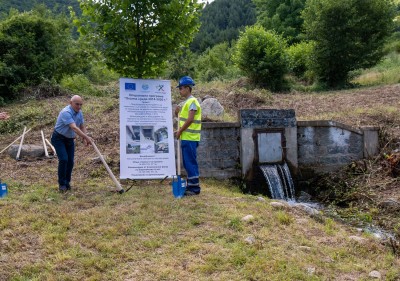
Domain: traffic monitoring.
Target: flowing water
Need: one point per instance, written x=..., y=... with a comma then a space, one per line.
x=279, y=180
x=280, y=184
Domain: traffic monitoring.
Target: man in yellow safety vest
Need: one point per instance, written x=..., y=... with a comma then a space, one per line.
x=189, y=134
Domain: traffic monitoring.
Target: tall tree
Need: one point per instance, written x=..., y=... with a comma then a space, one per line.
x=348, y=35
x=221, y=21
x=57, y=6
x=138, y=37
x=283, y=16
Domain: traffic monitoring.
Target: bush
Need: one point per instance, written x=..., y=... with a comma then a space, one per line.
x=216, y=64
x=78, y=83
x=30, y=47
x=260, y=54
x=100, y=74
x=300, y=60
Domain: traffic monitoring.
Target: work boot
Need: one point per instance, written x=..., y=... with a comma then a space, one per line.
x=190, y=193
x=62, y=189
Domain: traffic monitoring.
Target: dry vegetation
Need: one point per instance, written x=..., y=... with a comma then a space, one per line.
x=145, y=234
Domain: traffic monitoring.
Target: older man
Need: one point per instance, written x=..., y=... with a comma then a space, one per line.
x=69, y=123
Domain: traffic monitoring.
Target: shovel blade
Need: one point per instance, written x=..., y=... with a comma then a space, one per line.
x=178, y=187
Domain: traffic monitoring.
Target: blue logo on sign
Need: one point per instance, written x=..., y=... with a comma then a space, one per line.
x=145, y=87
x=130, y=86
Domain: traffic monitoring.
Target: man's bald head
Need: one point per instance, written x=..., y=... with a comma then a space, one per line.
x=76, y=103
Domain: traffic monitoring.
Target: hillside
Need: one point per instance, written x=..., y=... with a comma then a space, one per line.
x=145, y=234
x=60, y=6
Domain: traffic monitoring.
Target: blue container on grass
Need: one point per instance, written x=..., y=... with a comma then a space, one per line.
x=178, y=186
x=3, y=189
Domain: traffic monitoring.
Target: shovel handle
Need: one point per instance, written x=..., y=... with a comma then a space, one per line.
x=13, y=142
x=20, y=144
x=178, y=147
x=117, y=184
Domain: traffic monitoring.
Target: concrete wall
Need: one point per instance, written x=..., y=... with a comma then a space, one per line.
x=218, y=152
x=325, y=146
x=320, y=146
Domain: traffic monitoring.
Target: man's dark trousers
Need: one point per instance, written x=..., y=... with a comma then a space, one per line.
x=65, y=148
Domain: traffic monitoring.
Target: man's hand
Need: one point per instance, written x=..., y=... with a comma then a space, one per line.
x=178, y=134
x=177, y=110
x=88, y=141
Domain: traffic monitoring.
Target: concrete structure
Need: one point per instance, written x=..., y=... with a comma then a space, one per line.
x=230, y=150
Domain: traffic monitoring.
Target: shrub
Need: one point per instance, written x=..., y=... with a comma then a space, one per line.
x=30, y=47
x=300, y=60
x=78, y=83
x=216, y=64
x=260, y=54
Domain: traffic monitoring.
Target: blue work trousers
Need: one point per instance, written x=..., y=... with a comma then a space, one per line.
x=65, y=148
x=189, y=159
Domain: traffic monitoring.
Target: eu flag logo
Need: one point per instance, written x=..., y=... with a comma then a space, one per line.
x=130, y=86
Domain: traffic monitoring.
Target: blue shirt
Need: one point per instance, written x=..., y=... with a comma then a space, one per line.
x=66, y=117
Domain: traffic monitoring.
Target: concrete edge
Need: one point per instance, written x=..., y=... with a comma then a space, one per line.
x=331, y=123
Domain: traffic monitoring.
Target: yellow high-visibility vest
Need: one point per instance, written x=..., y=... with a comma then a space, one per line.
x=192, y=133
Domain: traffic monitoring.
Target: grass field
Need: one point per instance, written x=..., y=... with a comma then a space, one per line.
x=146, y=234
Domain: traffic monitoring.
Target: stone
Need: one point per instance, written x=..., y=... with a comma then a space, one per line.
x=304, y=197
x=261, y=199
x=357, y=238
x=206, y=97
x=309, y=210
x=278, y=205
x=250, y=239
x=27, y=150
x=390, y=204
x=212, y=109
x=311, y=270
x=375, y=274
x=248, y=218
x=305, y=248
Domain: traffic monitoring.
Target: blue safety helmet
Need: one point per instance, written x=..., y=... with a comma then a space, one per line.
x=186, y=81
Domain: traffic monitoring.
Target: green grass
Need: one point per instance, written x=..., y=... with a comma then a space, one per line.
x=146, y=234
x=384, y=73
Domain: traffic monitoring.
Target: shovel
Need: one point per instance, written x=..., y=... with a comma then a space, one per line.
x=178, y=184
x=119, y=189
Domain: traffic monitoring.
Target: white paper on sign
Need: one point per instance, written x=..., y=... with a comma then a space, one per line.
x=146, y=129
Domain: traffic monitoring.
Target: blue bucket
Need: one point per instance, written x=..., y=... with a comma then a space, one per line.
x=178, y=186
x=3, y=189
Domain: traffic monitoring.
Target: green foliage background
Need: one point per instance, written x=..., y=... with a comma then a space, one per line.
x=261, y=55
x=349, y=34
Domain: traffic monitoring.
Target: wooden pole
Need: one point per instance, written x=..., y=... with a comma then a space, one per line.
x=13, y=142
x=178, y=153
x=51, y=146
x=20, y=144
x=118, y=185
x=46, y=153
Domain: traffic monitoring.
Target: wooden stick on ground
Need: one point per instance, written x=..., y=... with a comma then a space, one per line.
x=46, y=153
x=13, y=142
x=51, y=146
x=20, y=144
x=118, y=185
